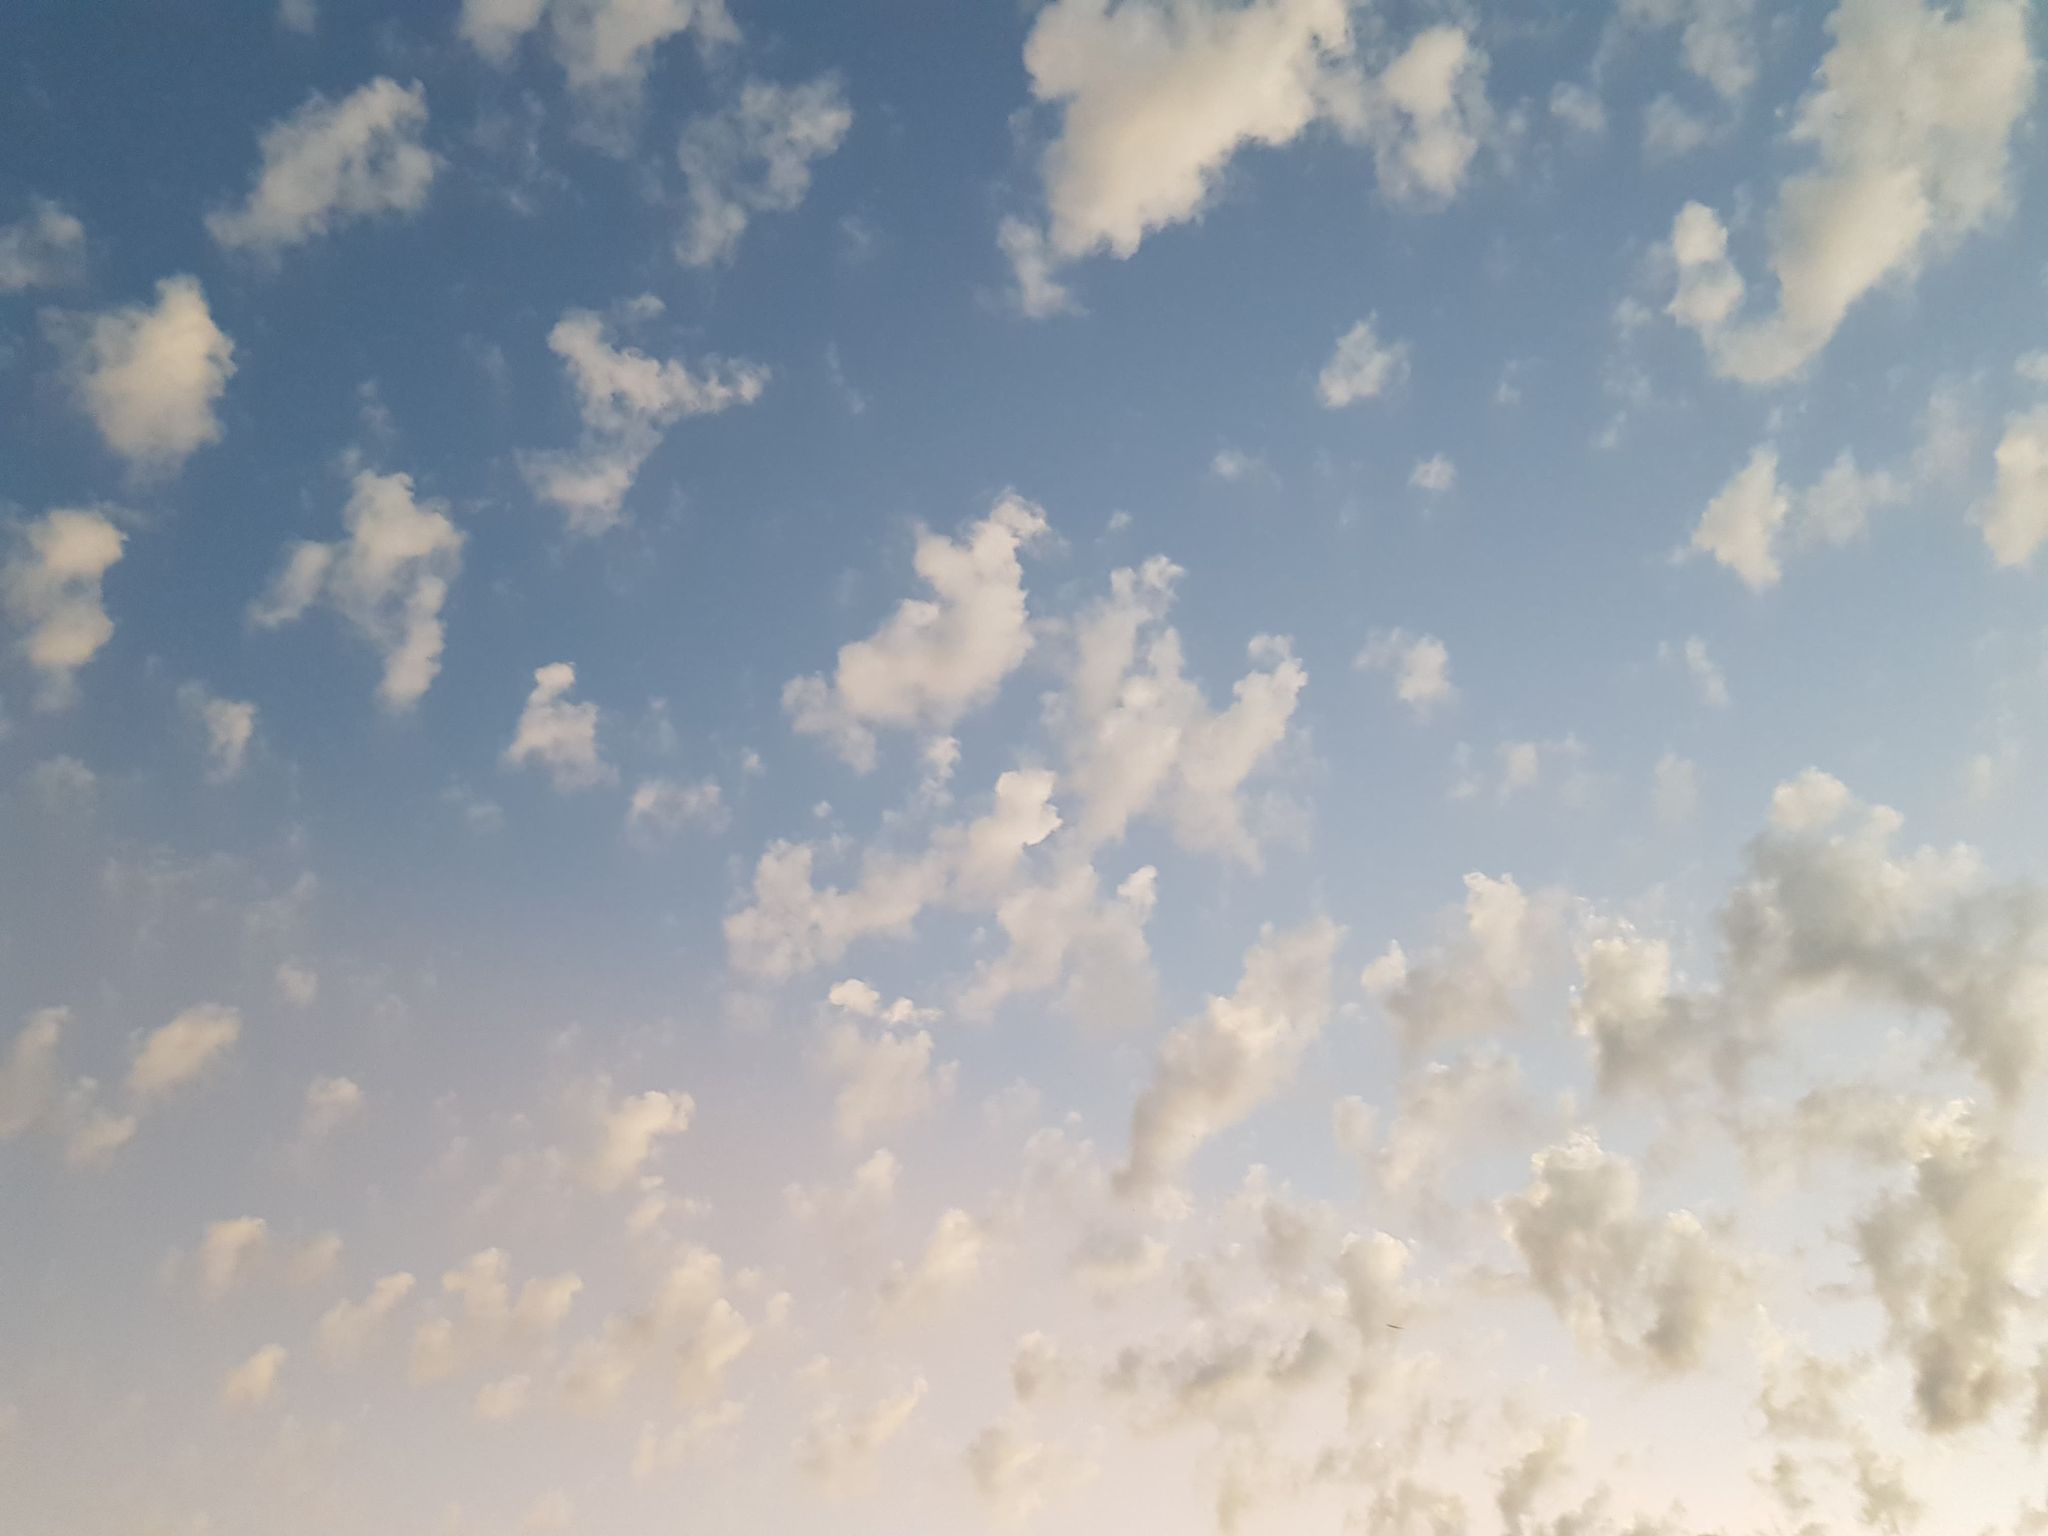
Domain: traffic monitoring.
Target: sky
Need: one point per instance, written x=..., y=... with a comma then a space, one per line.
x=1243, y=766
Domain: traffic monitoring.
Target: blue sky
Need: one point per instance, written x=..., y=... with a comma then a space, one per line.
x=949, y=767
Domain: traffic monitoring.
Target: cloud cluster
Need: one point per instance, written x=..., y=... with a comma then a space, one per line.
x=1910, y=117
x=149, y=376
x=628, y=401
x=755, y=157
x=388, y=577
x=51, y=590
x=332, y=163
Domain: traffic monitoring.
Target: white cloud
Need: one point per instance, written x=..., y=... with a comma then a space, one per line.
x=491, y=1322
x=1643, y=1289
x=1213, y=1072
x=1038, y=292
x=1140, y=738
x=755, y=157
x=1469, y=983
x=837, y=1450
x=688, y=1324
x=347, y=1329
x=229, y=1253
x=29, y=1072
x=388, y=578
x=628, y=400
x=1420, y=664
x=623, y=1133
x=559, y=735
x=1705, y=672
x=250, y=1384
x=1911, y=116
x=668, y=806
x=331, y=163
x=2015, y=523
x=1435, y=474
x=178, y=1052
x=1670, y=132
x=1741, y=525
x=50, y=588
x=1065, y=929
x=949, y=1261
x=45, y=247
x=300, y=16
x=606, y=47
x=230, y=725
x=1157, y=97
x=331, y=1103
x=150, y=377
x=297, y=984
x=886, y=1079
x=1577, y=108
x=1362, y=367
x=934, y=659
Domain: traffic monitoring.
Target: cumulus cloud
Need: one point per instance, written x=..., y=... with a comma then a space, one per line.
x=688, y=1325
x=1469, y=983
x=2015, y=522
x=1363, y=367
x=250, y=1384
x=950, y=1260
x=347, y=1329
x=1435, y=474
x=150, y=376
x=331, y=163
x=837, y=1448
x=884, y=1079
x=51, y=590
x=487, y=1321
x=388, y=577
x=1065, y=930
x=1420, y=664
x=42, y=248
x=1213, y=1072
x=1746, y=525
x=557, y=734
x=1645, y=1290
x=628, y=401
x=667, y=806
x=755, y=157
x=1157, y=97
x=331, y=1103
x=29, y=1072
x=171, y=1056
x=934, y=659
x=1826, y=908
x=229, y=725
x=229, y=1253
x=623, y=1132
x=605, y=47
x=1910, y=118
x=1139, y=736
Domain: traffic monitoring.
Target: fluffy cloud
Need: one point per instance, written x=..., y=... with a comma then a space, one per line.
x=1362, y=367
x=1420, y=664
x=1065, y=929
x=347, y=1329
x=50, y=588
x=44, y=247
x=606, y=47
x=2015, y=523
x=229, y=1253
x=149, y=377
x=1910, y=117
x=1157, y=97
x=1826, y=908
x=623, y=1132
x=178, y=1052
x=388, y=577
x=488, y=1321
x=667, y=806
x=1214, y=1071
x=1139, y=736
x=934, y=659
x=331, y=1102
x=559, y=735
x=1645, y=1290
x=330, y=163
x=836, y=1449
x=250, y=1384
x=951, y=1258
x=884, y=1079
x=1746, y=524
x=1435, y=474
x=29, y=1072
x=1469, y=983
x=755, y=157
x=688, y=1324
x=628, y=400
x=229, y=724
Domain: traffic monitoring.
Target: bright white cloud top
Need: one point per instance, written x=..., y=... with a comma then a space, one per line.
x=1247, y=766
